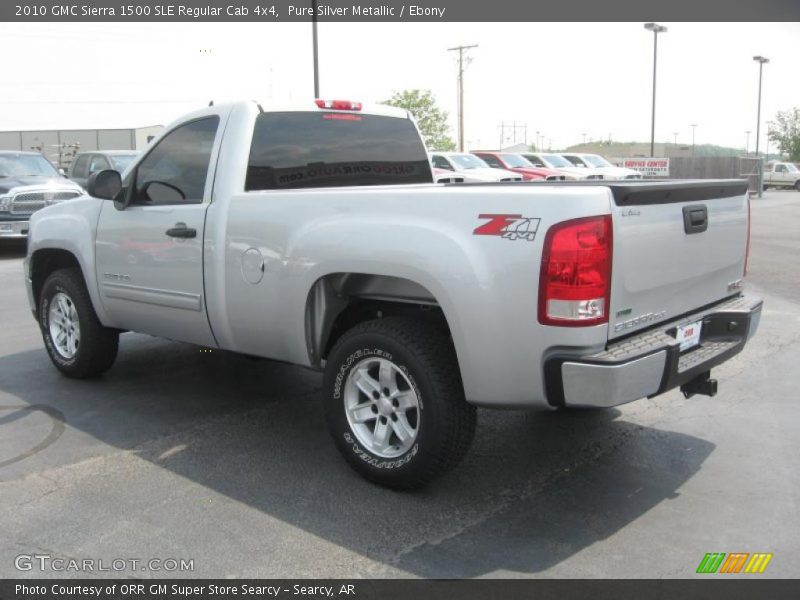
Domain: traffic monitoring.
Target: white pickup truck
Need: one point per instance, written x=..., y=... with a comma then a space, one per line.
x=781, y=175
x=314, y=235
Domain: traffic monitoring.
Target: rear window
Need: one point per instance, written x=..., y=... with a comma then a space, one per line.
x=328, y=149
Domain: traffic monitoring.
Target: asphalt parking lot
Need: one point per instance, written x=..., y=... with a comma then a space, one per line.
x=226, y=461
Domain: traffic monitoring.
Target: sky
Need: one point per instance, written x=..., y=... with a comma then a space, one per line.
x=560, y=79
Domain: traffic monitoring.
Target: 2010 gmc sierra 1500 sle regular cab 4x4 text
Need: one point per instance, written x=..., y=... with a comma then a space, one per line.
x=315, y=236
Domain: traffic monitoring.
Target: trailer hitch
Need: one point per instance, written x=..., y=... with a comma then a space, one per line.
x=702, y=384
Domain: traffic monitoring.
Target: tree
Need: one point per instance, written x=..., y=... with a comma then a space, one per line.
x=432, y=120
x=785, y=131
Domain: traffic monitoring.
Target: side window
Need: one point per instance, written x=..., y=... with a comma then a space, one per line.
x=537, y=162
x=175, y=171
x=440, y=162
x=81, y=168
x=98, y=163
x=780, y=169
x=492, y=161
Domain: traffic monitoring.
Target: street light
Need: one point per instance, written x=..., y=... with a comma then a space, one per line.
x=315, y=46
x=747, y=143
x=693, y=126
x=761, y=61
x=656, y=29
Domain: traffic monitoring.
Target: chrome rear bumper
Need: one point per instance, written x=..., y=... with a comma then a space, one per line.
x=651, y=363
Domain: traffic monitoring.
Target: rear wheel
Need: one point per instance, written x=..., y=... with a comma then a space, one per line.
x=78, y=345
x=797, y=185
x=394, y=402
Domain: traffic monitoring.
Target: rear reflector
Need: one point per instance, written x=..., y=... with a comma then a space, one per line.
x=575, y=278
x=338, y=104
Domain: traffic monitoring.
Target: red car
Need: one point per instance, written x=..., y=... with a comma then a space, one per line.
x=519, y=164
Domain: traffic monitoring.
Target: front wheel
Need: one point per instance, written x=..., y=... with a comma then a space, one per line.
x=395, y=404
x=78, y=345
x=797, y=185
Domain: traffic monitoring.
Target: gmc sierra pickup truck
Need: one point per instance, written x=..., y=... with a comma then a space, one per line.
x=314, y=235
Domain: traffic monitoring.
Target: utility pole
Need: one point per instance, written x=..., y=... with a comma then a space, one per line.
x=693, y=126
x=675, y=136
x=747, y=143
x=460, y=50
x=316, y=49
x=584, y=137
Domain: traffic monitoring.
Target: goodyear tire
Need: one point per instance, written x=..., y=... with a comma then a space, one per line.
x=395, y=404
x=78, y=345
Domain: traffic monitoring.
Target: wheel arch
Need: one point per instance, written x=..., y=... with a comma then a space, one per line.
x=337, y=302
x=45, y=262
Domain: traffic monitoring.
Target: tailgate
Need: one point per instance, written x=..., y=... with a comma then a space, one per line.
x=678, y=246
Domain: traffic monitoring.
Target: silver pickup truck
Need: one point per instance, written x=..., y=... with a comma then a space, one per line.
x=315, y=236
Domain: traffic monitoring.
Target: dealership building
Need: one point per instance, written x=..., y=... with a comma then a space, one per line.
x=61, y=145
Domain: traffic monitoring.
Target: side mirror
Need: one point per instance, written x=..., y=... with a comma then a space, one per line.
x=104, y=184
x=62, y=172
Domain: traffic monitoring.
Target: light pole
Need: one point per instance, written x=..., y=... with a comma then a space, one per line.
x=460, y=50
x=584, y=138
x=315, y=46
x=761, y=60
x=747, y=143
x=656, y=29
x=693, y=126
x=675, y=137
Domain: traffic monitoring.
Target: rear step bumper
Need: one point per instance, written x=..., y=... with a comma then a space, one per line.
x=650, y=363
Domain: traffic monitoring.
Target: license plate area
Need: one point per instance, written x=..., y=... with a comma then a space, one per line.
x=688, y=336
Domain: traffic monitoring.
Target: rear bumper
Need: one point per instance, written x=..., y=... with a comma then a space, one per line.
x=14, y=229
x=651, y=363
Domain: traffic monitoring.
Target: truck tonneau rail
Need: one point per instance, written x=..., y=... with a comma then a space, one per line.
x=651, y=191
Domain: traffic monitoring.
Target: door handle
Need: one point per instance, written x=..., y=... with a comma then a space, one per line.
x=182, y=231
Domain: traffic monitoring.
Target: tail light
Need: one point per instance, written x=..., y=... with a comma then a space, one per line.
x=338, y=104
x=575, y=279
x=747, y=246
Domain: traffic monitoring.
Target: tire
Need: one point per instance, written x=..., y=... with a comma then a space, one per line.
x=78, y=345
x=797, y=185
x=426, y=403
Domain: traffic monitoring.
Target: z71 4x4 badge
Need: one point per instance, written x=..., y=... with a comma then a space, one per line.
x=509, y=227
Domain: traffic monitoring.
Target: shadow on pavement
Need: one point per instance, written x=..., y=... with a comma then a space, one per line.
x=12, y=249
x=539, y=486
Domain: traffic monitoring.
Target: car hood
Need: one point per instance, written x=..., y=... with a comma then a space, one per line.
x=487, y=174
x=55, y=183
x=618, y=171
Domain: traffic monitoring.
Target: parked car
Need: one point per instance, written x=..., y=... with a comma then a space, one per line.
x=598, y=163
x=781, y=175
x=28, y=182
x=87, y=163
x=470, y=168
x=419, y=302
x=562, y=165
x=517, y=164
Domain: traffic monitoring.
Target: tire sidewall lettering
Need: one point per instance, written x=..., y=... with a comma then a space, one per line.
x=352, y=443
x=44, y=323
